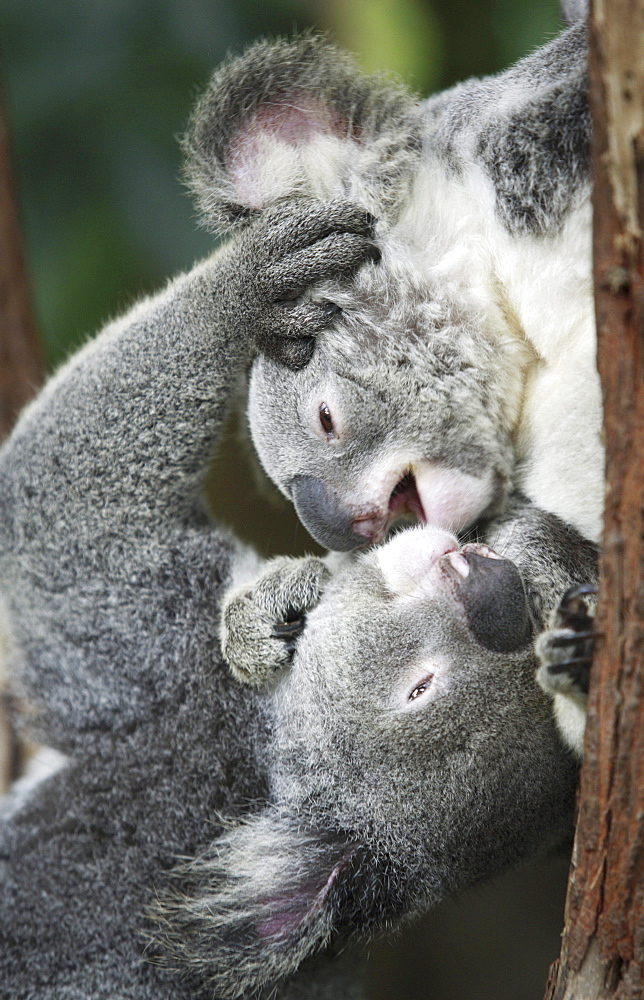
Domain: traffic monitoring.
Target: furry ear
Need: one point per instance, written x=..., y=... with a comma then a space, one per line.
x=251, y=909
x=297, y=118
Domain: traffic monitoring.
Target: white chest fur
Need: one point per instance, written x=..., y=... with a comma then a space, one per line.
x=536, y=289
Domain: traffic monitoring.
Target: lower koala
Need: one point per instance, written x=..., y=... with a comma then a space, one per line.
x=405, y=754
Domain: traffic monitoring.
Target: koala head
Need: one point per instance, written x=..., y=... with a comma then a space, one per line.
x=409, y=402
x=405, y=408
x=411, y=754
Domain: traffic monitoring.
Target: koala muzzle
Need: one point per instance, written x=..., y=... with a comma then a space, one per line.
x=495, y=603
x=324, y=515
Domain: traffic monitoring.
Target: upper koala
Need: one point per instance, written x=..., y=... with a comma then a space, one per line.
x=461, y=362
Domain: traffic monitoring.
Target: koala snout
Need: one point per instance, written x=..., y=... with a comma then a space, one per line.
x=324, y=515
x=495, y=603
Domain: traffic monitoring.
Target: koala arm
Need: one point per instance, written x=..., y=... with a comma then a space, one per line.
x=559, y=567
x=108, y=561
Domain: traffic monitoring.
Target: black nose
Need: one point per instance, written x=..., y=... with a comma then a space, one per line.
x=323, y=514
x=495, y=604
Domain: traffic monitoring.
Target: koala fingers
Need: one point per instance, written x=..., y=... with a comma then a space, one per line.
x=262, y=620
x=565, y=649
x=289, y=331
x=336, y=255
x=297, y=223
x=247, y=643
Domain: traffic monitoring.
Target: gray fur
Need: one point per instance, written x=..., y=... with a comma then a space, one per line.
x=409, y=380
x=315, y=811
x=111, y=574
x=386, y=810
x=412, y=317
x=426, y=365
x=528, y=128
x=309, y=815
x=380, y=121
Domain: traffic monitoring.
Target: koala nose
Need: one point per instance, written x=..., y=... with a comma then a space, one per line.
x=495, y=603
x=324, y=515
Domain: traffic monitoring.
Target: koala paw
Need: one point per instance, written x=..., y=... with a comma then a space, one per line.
x=262, y=620
x=289, y=249
x=565, y=649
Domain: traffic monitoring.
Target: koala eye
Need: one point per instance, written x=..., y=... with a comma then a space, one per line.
x=326, y=420
x=420, y=688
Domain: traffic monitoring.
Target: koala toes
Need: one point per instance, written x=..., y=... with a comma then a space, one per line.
x=261, y=621
x=565, y=649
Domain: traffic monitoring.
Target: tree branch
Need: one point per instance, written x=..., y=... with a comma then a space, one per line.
x=20, y=361
x=603, y=945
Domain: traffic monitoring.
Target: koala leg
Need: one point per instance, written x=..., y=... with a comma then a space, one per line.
x=565, y=653
x=261, y=621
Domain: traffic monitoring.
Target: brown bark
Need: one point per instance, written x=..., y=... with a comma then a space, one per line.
x=20, y=360
x=603, y=944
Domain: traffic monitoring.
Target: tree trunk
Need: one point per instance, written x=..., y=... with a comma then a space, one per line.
x=20, y=362
x=602, y=952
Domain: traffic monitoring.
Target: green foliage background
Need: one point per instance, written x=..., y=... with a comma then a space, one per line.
x=98, y=90
x=96, y=93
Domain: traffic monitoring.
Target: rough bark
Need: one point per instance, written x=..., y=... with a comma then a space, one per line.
x=20, y=360
x=603, y=943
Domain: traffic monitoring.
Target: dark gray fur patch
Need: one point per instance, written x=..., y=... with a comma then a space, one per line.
x=536, y=150
x=539, y=160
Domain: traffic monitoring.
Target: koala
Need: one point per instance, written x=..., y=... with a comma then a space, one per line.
x=410, y=683
x=459, y=364
x=199, y=837
x=481, y=196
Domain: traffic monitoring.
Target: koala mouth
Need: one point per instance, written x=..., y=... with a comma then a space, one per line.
x=405, y=499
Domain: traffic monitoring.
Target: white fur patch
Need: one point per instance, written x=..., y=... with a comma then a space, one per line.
x=451, y=499
x=570, y=713
x=407, y=559
x=535, y=291
x=43, y=765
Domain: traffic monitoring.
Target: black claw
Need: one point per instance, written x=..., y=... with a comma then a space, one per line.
x=573, y=610
x=374, y=254
x=290, y=630
x=578, y=668
x=573, y=638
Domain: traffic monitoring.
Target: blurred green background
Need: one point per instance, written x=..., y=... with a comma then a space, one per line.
x=96, y=92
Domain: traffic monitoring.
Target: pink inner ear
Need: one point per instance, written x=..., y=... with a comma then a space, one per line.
x=294, y=123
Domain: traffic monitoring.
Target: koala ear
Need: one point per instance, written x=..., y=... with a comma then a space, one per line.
x=297, y=118
x=254, y=907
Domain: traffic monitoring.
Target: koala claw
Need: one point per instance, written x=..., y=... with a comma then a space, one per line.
x=262, y=621
x=565, y=650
